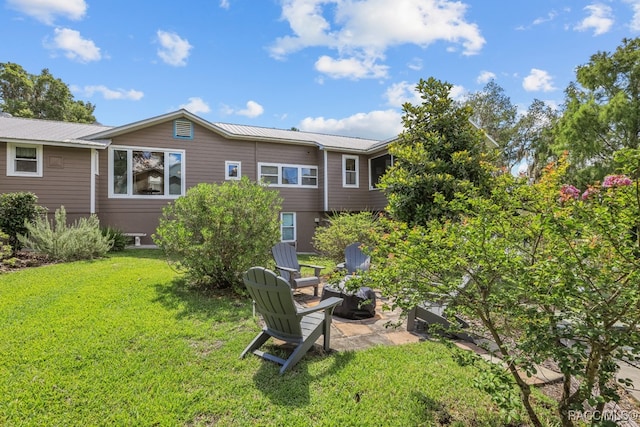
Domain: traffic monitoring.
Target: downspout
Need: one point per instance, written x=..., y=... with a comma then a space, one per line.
x=326, y=180
x=94, y=173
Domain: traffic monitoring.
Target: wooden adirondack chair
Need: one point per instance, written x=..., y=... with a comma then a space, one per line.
x=289, y=268
x=355, y=259
x=273, y=299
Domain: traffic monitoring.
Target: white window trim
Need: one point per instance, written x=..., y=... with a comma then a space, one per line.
x=281, y=165
x=346, y=157
x=371, y=185
x=11, y=160
x=129, y=194
x=295, y=228
x=238, y=165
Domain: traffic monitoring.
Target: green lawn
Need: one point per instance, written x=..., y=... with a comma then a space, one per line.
x=121, y=341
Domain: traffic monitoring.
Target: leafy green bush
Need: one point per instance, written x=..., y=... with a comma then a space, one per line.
x=81, y=240
x=5, y=249
x=15, y=210
x=344, y=229
x=116, y=237
x=217, y=231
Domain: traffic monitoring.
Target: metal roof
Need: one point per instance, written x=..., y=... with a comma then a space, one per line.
x=16, y=129
x=296, y=137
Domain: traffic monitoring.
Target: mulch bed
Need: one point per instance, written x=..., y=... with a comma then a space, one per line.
x=22, y=260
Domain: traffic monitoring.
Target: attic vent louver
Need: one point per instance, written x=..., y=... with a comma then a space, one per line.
x=183, y=129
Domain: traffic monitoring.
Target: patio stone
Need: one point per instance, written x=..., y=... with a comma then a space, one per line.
x=353, y=335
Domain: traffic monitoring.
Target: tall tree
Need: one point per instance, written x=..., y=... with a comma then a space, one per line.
x=438, y=154
x=533, y=139
x=40, y=96
x=497, y=116
x=602, y=111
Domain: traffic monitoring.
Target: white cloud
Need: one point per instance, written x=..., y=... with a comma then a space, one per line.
x=350, y=68
x=378, y=125
x=375, y=125
x=252, y=109
x=399, y=93
x=485, y=77
x=458, y=93
x=196, y=106
x=111, y=94
x=73, y=45
x=173, y=50
x=224, y=4
x=46, y=10
x=366, y=29
x=538, y=80
x=599, y=19
x=550, y=17
x=635, y=20
x=415, y=64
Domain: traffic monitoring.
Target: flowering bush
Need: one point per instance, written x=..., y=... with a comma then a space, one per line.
x=538, y=265
x=616, y=181
x=568, y=192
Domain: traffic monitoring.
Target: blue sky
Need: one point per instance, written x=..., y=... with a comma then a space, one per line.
x=332, y=66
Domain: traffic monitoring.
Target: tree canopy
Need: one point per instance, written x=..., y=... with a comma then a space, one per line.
x=494, y=113
x=602, y=111
x=438, y=154
x=40, y=96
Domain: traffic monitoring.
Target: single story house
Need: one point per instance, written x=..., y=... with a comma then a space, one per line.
x=127, y=174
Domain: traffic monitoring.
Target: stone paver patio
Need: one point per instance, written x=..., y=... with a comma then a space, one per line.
x=349, y=334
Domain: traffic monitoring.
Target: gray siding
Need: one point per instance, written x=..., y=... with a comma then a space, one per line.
x=377, y=200
x=306, y=228
x=295, y=199
x=204, y=161
x=347, y=198
x=67, y=178
x=65, y=181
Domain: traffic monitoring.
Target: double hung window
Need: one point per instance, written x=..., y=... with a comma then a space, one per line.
x=350, y=171
x=288, y=226
x=24, y=160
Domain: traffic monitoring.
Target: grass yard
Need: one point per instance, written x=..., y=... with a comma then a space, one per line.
x=121, y=341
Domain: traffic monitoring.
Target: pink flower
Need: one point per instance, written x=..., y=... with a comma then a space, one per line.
x=568, y=192
x=616, y=181
x=589, y=191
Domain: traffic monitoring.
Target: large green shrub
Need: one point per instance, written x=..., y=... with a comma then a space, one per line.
x=344, y=229
x=217, y=231
x=16, y=209
x=81, y=240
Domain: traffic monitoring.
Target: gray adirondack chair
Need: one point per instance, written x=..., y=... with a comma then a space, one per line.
x=355, y=259
x=289, y=268
x=273, y=299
